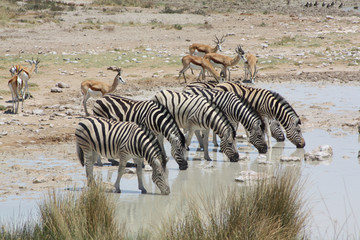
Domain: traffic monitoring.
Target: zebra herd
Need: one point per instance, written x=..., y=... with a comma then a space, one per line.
x=124, y=128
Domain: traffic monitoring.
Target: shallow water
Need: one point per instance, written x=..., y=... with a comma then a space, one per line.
x=331, y=188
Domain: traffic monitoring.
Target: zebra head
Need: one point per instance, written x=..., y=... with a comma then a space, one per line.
x=228, y=145
x=179, y=150
x=293, y=133
x=159, y=176
x=276, y=131
x=257, y=136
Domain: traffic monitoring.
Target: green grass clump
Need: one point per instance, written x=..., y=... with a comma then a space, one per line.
x=89, y=215
x=272, y=209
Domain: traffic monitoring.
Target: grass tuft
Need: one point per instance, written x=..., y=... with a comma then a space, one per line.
x=272, y=209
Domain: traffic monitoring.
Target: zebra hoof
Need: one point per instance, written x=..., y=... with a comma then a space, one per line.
x=117, y=191
x=143, y=191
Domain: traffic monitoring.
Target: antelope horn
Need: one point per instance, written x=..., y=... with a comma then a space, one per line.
x=116, y=69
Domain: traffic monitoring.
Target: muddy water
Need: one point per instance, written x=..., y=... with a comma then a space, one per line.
x=332, y=188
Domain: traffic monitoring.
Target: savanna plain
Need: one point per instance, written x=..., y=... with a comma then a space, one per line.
x=310, y=55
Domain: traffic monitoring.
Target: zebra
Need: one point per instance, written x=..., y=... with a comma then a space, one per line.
x=149, y=113
x=195, y=113
x=270, y=105
x=99, y=136
x=275, y=128
x=237, y=110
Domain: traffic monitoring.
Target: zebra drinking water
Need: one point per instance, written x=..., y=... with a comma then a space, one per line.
x=123, y=140
x=195, y=113
x=237, y=110
x=149, y=113
x=270, y=105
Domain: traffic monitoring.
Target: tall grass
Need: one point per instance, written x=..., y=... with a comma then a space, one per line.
x=272, y=209
x=89, y=215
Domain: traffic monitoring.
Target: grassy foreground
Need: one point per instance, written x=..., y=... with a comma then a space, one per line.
x=271, y=209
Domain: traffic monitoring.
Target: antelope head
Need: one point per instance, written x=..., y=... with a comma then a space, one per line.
x=240, y=51
x=218, y=41
x=118, y=70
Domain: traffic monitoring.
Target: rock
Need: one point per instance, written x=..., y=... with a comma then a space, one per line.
x=62, y=85
x=147, y=168
x=38, y=112
x=321, y=153
x=56, y=90
x=4, y=133
x=130, y=170
x=61, y=178
x=289, y=159
x=251, y=176
x=40, y=179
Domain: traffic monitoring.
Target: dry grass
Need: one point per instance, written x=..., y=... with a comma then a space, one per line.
x=272, y=209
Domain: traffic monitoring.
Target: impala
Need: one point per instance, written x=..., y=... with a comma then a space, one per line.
x=225, y=62
x=25, y=73
x=203, y=64
x=93, y=88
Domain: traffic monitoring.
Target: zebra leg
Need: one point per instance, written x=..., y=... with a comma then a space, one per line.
x=188, y=138
x=139, y=173
x=200, y=139
x=206, y=144
x=160, y=138
x=90, y=157
x=121, y=170
x=268, y=132
x=215, y=140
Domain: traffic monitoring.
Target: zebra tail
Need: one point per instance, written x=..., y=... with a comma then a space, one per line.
x=80, y=154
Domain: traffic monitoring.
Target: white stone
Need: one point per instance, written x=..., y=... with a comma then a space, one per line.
x=251, y=176
x=289, y=159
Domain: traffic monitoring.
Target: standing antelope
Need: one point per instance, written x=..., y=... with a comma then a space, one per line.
x=26, y=73
x=93, y=88
x=16, y=84
x=250, y=66
x=203, y=64
x=224, y=62
x=199, y=49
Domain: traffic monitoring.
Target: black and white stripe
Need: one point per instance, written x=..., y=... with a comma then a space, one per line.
x=237, y=111
x=120, y=140
x=195, y=113
x=269, y=105
x=149, y=113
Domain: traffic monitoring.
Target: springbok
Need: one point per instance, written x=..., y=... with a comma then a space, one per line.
x=250, y=66
x=93, y=88
x=203, y=64
x=16, y=84
x=25, y=73
x=225, y=62
x=200, y=50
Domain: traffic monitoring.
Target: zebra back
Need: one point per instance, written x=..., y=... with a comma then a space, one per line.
x=236, y=109
x=208, y=84
x=150, y=113
x=111, y=139
x=197, y=109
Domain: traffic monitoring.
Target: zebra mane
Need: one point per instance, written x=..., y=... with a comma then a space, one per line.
x=223, y=113
x=283, y=102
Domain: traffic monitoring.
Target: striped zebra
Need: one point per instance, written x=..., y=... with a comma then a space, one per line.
x=149, y=113
x=195, y=113
x=123, y=140
x=275, y=127
x=270, y=105
x=237, y=111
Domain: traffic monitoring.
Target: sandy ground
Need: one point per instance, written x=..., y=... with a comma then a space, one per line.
x=45, y=130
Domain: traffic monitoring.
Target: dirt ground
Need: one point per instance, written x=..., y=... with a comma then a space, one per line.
x=45, y=129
